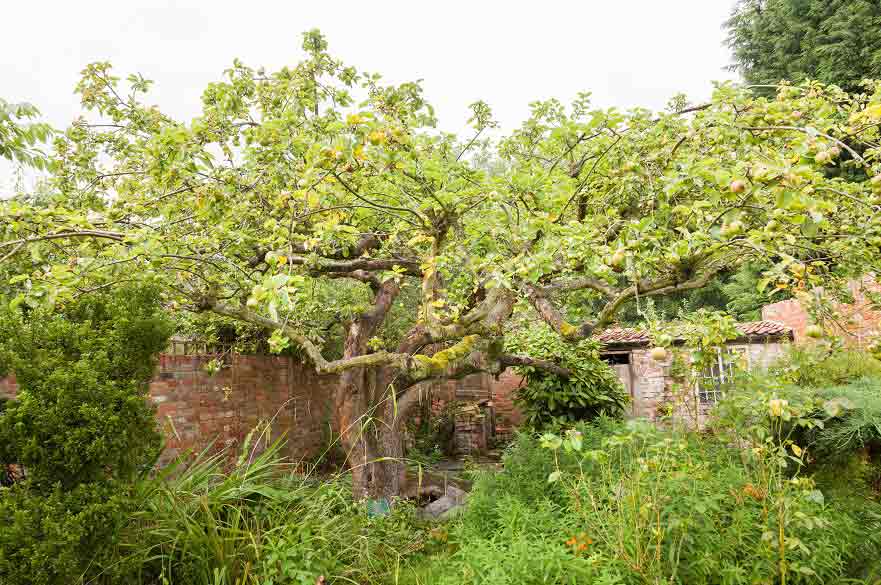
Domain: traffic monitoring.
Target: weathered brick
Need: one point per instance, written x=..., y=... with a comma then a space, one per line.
x=858, y=323
x=196, y=410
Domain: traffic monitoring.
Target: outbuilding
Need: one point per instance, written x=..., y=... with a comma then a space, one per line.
x=658, y=389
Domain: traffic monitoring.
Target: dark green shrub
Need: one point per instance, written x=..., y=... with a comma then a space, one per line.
x=81, y=426
x=592, y=390
x=7, y=469
x=59, y=535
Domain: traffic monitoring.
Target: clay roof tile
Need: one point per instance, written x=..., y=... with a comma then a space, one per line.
x=753, y=330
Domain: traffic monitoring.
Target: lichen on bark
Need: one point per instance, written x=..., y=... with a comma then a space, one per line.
x=440, y=361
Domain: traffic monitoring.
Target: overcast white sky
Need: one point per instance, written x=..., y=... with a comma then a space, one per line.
x=508, y=53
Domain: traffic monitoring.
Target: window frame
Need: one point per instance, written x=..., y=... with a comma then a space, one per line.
x=719, y=374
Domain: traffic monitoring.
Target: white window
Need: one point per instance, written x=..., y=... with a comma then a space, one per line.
x=711, y=382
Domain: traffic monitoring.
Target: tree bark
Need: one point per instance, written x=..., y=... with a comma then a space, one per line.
x=367, y=413
x=370, y=424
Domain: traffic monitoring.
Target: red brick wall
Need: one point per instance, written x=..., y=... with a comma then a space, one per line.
x=470, y=427
x=198, y=410
x=791, y=314
x=860, y=323
x=503, y=390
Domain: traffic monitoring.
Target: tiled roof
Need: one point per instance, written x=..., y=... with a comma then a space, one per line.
x=751, y=330
x=763, y=329
x=623, y=335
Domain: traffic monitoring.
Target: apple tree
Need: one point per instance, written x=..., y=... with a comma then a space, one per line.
x=616, y=207
x=318, y=177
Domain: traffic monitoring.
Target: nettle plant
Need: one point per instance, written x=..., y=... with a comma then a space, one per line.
x=650, y=500
x=320, y=177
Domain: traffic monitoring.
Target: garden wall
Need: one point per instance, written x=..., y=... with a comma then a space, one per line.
x=859, y=323
x=196, y=409
x=199, y=410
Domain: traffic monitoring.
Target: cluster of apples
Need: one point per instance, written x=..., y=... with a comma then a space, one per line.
x=732, y=228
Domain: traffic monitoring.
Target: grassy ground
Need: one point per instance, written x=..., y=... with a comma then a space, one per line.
x=626, y=503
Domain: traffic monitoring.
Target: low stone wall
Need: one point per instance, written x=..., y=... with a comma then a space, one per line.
x=198, y=410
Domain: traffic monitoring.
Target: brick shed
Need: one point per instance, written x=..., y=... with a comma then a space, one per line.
x=491, y=412
x=653, y=387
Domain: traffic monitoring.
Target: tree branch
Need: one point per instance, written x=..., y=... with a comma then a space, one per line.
x=116, y=236
x=326, y=266
x=554, y=318
x=360, y=275
x=517, y=360
x=387, y=208
x=810, y=131
x=322, y=366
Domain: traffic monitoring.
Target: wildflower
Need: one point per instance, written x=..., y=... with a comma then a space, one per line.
x=579, y=542
x=776, y=406
x=755, y=493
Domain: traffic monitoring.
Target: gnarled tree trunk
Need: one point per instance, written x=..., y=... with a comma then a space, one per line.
x=370, y=423
x=367, y=414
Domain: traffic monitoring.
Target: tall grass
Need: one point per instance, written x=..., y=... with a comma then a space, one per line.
x=257, y=523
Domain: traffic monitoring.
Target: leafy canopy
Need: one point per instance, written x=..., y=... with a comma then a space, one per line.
x=318, y=173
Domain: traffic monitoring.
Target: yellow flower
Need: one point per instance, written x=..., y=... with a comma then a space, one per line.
x=776, y=406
